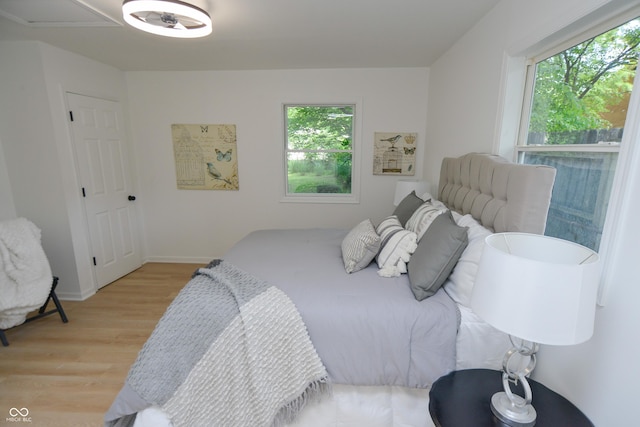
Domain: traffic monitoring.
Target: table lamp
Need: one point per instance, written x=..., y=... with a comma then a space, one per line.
x=405, y=186
x=539, y=290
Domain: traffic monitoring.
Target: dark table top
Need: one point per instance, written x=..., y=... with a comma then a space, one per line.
x=463, y=399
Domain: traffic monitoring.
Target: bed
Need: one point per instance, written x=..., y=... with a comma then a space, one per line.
x=372, y=332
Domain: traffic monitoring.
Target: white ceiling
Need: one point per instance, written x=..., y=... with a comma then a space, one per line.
x=264, y=34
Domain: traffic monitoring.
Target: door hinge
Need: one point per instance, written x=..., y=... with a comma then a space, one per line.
x=71, y=115
x=94, y=261
x=83, y=193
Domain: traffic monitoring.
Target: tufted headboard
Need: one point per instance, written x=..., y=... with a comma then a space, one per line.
x=501, y=195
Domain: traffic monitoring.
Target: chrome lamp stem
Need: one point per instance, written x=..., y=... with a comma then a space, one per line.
x=517, y=364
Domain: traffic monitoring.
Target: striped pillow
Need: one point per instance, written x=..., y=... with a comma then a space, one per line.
x=387, y=228
x=360, y=246
x=423, y=217
x=397, y=245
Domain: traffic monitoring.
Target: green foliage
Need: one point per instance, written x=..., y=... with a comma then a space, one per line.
x=311, y=127
x=575, y=87
x=319, y=140
x=343, y=170
x=315, y=176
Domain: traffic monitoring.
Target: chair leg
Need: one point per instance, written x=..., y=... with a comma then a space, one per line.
x=52, y=296
x=56, y=301
x=42, y=311
x=53, y=288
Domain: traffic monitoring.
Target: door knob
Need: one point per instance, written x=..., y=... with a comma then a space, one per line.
x=132, y=198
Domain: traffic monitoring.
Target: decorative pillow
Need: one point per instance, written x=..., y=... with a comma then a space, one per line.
x=407, y=207
x=387, y=228
x=463, y=276
x=423, y=217
x=436, y=255
x=397, y=245
x=360, y=246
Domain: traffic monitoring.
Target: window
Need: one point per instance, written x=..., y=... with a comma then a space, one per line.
x=319, y=152
x=574, y=119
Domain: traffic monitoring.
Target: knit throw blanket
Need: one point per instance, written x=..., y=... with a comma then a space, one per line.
x=230, y=350
x=25, y=274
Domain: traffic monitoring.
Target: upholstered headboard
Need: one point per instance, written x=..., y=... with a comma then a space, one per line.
x=501, y=195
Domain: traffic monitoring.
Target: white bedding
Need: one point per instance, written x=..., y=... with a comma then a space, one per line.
x=478, y=344
x=349, y=406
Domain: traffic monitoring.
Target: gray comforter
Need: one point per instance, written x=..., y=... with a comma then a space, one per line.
x=368, y=330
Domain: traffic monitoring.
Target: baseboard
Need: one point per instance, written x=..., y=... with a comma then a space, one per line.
x=73, y=296
x=180, y=260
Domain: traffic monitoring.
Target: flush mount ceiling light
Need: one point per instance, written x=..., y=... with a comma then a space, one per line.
x=171, y=18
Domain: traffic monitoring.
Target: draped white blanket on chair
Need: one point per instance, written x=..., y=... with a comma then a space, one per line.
x=25, y=274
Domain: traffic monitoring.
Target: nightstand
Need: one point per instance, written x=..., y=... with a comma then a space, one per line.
x=463, y=399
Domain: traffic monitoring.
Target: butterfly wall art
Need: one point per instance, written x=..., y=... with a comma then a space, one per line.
x=205, y=156
x=394, y=153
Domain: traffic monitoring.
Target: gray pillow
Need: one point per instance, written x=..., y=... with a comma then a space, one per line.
x=407, y=207
x=437, y=254
x=360, y=246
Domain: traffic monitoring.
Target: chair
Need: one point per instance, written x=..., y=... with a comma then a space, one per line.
x=26, y=281
x=42, y=311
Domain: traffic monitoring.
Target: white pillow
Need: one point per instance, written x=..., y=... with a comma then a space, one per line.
x=460, y=282
x=360, y=246
x=423, y=217
x=396, y=248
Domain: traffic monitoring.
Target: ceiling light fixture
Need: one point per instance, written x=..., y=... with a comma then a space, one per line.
x=170, y=18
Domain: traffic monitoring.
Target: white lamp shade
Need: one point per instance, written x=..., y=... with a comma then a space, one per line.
x=537, y=288
x=404, y=187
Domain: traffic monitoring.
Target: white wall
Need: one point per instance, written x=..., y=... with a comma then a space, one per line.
x=38, y=170
x=38, y=155
x=196, y=225
x=464, y=95
x=7, y=207
x=30, y=153
x=468, y=95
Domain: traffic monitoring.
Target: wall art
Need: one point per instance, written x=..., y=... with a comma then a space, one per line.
x=394, y=153
x=206, y=156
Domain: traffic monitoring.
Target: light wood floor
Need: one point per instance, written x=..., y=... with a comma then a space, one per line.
x=69, y=374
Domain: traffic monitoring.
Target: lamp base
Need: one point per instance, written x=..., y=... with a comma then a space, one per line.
x=516, y=415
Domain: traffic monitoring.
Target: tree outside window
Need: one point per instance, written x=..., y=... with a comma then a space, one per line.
x=319, y=149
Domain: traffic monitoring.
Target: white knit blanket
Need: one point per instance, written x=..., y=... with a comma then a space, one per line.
x=230, y=351
x=25, y=274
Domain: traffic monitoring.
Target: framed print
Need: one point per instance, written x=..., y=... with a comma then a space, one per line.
x=206, y=156
x=394, y=153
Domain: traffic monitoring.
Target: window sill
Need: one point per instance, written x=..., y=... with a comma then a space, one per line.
x=320, y=198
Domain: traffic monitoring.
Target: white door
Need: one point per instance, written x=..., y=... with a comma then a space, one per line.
x=100, y=144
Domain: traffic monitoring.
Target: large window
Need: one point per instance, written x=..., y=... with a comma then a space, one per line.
x=319, y=151
x=574, y=120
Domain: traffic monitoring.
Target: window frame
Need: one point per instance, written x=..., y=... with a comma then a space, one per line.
x=339, y=198
x=628, y=149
